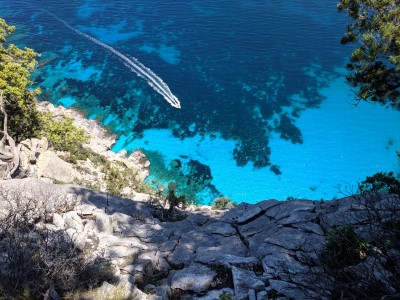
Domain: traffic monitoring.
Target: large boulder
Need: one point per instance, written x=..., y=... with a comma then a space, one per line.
x=51, y=166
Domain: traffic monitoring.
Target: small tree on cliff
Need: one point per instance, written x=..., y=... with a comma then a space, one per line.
x=16, y=66
x=375, y=65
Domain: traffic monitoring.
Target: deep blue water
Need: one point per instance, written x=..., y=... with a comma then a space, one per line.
x=265, y=109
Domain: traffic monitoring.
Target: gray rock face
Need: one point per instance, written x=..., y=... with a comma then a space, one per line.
x=168, y=246
x=292, y=239
x=257, y=226
x=221, y=228
x=142, y=270
x=283, y=265
x=72, y=220
x=58, y=221
x=85, y=209
x=244, y=280
x=269, y=248
x=291, y=291
x=110, y=240
x=51, y=166
x=196, y=278
x=262, y=295
x=215, y=256
x=213, y=295
x=243, y=213
x=183, y=255
x=104, y=222
x=289, y=208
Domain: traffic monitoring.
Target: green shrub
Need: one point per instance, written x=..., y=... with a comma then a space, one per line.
x=173, y=199
x=343, y=248
x=56, y=181
x=62, y=134
x=380, y=182
x=223, y=203
x=169, y=196
x=119, y=176
x=16, y=68
x=226, y=296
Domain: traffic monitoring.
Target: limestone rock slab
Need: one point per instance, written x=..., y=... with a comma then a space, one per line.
x=183, y=255
x=288, y=208
x=51, y=166
x=244, y=280
x=196, y=278
x=221, y=228
x=215, y=256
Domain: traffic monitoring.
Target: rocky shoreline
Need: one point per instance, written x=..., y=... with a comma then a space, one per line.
x=268, y=250
x=39, y=161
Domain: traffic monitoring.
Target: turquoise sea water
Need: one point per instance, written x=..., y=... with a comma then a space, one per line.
x=265, y=109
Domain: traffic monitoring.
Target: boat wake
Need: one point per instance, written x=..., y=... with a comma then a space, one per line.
x=133, y=64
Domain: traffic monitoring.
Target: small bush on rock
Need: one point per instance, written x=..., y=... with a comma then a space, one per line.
x=361, y=260
x=62, y=134
x=223, y=203
x=343, y=248
x=167, y=211
x=226, y=296
x=118, y=176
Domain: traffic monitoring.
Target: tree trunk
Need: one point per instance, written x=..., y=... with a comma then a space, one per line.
x=9, y=153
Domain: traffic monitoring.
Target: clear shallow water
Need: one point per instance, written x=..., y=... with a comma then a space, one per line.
x=265, y=109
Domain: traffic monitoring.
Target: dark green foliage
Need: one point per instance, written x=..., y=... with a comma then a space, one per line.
x=16, y=67
x=351, y=264
x=223, y=203
x=173, y=199
x=343, y=248
x=23, y=121
x=375, y=65
x=391, y=228
x=381, y=183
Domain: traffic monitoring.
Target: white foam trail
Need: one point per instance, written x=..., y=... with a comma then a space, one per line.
x=133, y=64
